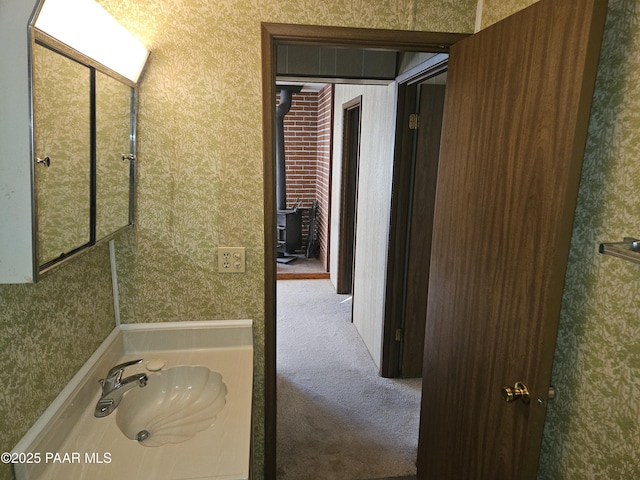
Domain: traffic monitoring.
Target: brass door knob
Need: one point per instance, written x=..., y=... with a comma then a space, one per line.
x=519, y=391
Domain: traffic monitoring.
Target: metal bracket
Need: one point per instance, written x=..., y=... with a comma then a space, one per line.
x=414, y=121
x=628, y=249
x=399, y=335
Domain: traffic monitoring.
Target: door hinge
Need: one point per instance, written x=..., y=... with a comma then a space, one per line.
x=399, y=335
x=414, y=121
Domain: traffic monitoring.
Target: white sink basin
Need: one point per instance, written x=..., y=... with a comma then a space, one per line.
x=176, y=404
x=221, y=451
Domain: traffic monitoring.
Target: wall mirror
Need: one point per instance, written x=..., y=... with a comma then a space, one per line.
x=62, y=146
x=68, y=115
x=114, y=174
x=83, y=144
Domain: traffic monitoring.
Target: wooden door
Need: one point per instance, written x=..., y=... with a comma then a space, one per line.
x=351, y=114
x=425, y=174
x=514, y=129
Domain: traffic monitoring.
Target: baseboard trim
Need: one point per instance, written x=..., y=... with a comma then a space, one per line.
x=301, y=276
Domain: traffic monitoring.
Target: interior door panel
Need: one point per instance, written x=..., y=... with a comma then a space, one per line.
x=514, y=129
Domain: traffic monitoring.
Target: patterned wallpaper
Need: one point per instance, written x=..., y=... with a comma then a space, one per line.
x=200, y=150
x=495, y=10
x=199, y=186
x=47, y=332
x=593, y=426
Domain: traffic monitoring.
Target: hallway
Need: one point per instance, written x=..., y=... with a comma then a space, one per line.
x=337, y=417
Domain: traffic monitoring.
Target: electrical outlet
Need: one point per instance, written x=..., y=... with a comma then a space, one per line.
x=231, y=259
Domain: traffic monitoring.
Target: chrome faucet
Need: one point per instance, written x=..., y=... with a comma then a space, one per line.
x=114, y=386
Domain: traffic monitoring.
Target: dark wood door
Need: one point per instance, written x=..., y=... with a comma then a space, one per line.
x=351, y=113
x=425, y=175
x=514, y=129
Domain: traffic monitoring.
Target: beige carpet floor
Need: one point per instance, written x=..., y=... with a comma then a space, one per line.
x=337, y=418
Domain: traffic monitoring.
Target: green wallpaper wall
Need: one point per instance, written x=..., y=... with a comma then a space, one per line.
x=200, y=185
x=593, y=426
x=47, y=332
x=200, y=150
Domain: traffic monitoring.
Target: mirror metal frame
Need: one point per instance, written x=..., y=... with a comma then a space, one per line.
x=41, y=38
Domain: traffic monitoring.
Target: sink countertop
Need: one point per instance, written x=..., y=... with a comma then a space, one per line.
x=96, y=448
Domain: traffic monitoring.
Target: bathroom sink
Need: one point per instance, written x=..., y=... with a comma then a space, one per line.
x=175, y=404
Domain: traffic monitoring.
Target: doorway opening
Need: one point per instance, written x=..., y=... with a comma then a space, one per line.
x=512, y=214
x=421, y=101
x=289, y=34
x=324, y=369
x=326, y=379
x=351, y=114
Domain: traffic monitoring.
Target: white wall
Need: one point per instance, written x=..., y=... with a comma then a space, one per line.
x=16, y=233
x=374, y=204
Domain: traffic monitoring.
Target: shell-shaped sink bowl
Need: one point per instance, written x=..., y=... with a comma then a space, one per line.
x=175, y=404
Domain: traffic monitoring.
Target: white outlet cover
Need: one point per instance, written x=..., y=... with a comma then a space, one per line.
x=231, y=260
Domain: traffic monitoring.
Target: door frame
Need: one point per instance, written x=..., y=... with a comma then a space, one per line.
x=401, y=208
x=352, y=120
x=273, y=34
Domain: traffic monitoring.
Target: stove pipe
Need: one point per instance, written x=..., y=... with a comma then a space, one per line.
x=286, y=92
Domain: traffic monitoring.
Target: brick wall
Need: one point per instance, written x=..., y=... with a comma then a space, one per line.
x=307, y=132
x=323, y=176
x=301, y=148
